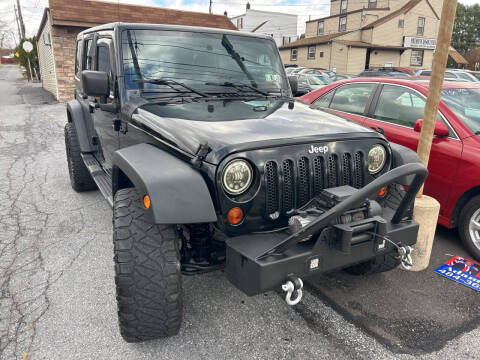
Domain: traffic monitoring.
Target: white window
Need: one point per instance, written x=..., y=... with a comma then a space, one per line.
x=311, y=52
x=293, y=54
x=343, y=7
x=320, y=28
x=421, y=26
x=240, y=23
x=416, y=58
x=342, y=23
x=401, y=23
x=372, y=4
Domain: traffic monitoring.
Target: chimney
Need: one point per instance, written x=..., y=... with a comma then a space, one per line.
x=225, y=13
x=248, y=5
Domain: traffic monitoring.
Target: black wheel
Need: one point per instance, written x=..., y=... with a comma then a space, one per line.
x=80, y=178
x=379, y=264
x=147, y=272
x=469, y=227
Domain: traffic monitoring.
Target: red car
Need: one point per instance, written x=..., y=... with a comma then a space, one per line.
x=395, y=107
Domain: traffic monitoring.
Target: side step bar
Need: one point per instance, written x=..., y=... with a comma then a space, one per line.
x=102, y=178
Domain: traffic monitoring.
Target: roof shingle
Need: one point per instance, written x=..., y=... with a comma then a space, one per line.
x=88, y=13
x=313, y=40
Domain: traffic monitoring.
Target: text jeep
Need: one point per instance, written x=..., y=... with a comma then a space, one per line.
x=193, y=137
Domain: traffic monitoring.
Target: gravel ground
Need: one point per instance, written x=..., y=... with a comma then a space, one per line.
x=56, y=271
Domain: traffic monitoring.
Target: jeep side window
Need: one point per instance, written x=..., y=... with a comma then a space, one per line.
x=352, y=98
x=78, y=58
x=87, y=62
x=103, y=59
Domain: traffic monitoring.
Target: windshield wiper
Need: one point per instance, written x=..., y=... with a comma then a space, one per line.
x=238, y=59
x=238, y=86
x=169, y=83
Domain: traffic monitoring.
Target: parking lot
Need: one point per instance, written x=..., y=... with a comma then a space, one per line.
x=57, y=290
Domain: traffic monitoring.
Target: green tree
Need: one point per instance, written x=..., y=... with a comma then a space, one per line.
x=23, y=57
x=466, y=31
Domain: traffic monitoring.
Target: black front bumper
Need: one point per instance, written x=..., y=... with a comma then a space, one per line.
x=261, y=262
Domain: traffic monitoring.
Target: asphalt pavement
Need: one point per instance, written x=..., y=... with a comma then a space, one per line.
x=57, y=297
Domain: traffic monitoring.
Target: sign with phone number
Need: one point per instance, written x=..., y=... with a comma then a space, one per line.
x=461, y=270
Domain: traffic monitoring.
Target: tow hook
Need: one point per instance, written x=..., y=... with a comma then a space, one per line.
x=293, y=285
x=405, y=253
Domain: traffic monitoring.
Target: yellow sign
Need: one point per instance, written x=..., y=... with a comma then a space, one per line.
x=17, y=54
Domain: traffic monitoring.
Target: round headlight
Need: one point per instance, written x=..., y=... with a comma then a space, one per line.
x=237, y=177
x=376, y=159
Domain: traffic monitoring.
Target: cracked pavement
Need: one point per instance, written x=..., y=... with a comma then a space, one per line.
x=57, y=297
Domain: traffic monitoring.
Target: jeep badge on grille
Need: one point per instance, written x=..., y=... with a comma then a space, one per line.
x=318, y=149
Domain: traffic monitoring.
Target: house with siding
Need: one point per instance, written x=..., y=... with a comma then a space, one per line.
x=363, y=34
x=282, y=27
x=63, y=20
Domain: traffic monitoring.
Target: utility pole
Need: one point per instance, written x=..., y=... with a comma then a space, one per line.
x=210, y=7
x=436, y=81
x=426, y=209
x=18, y=24
x=20, y=19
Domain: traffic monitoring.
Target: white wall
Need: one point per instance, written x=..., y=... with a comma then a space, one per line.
x=278, y=24
x=46, y=59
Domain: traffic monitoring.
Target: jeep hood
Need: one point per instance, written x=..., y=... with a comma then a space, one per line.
x=279, y=127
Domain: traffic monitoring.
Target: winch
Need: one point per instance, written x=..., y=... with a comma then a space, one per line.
x=326, y=200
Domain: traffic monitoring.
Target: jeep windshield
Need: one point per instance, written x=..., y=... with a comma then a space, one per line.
x=221, y=65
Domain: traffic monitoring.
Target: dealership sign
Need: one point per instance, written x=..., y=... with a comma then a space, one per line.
x=420, y=43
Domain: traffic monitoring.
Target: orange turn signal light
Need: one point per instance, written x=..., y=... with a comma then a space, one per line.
x=235, y=216
x=146, y=202
x=382, y=191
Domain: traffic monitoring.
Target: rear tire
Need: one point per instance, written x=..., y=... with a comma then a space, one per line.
x=469, y=227
x=380, y=264
x=147, y=272
x=80, y=177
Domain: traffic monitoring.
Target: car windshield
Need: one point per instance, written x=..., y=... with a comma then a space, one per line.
x=465, y=76
x=195, y=59
x=314, y=80
x=465, y=103
x=322, y=80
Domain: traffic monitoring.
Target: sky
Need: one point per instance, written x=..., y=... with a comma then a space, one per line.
x=32, y=10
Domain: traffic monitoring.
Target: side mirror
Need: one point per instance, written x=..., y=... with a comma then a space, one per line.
x=95, y=83
x=440, y=128
x=293, y=80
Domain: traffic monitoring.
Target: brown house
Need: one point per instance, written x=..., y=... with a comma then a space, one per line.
x=473, y=59
x=63, y=20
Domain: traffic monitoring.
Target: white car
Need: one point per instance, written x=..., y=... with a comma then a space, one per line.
x=451, y=74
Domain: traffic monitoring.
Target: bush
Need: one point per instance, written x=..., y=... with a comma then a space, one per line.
x=23, y=57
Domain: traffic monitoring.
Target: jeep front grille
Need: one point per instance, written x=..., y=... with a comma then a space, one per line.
x=293, y=182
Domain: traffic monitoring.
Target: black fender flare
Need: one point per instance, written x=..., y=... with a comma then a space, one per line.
x=178, y=193
x=75, y=113
x=402, y=155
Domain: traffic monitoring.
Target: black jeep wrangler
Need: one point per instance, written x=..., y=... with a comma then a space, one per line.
x=193, y=137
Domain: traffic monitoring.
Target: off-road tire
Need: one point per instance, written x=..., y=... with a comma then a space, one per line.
x=379, y=264
x=463, y=226
x=80, y=177
x=388, y=261
x=147, y=272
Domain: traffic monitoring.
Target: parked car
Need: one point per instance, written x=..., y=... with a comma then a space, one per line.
x=395, y=107
x=204, y=173
x=451, y=74
x=338, y=77
x=376, y=73
x=307, y=83
x=475, y=73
